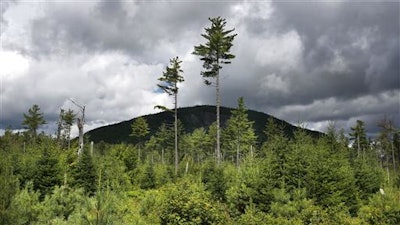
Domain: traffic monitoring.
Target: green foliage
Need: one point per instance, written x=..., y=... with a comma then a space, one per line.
x=358, y=135
x=128, y=155
x=25, y=206
x=113, y=174
x=275, y=151
x=299, y=180
x=24, y=164
x=151, y=206
x=140, y=129
x=189, y=204
x=64, y=126
x=104, y=208
x=336, y=140
x=329, y=180
x=171, y=77
x=252, y=216
x=164, y=174
x=274, y=130
x=199, y=145
x=214, y=181
x=238, y=136
x=369, y=178
x=84, y=173
x=148, y=178
x=47, y=174
x=383, y=209
x=396, y=182
x=297, y=161
x=9, y=187
x=33, y=120
x=251, y=186
x=163, y=142
x=216, y=49
x=61, y=204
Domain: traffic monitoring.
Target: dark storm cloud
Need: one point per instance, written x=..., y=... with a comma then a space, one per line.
x=363, y=36
x=140, y=29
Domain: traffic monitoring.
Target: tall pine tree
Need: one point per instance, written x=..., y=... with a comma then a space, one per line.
x=214, y=53
x=169, y=84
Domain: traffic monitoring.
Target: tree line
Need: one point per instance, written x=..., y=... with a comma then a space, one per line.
x=299, y=180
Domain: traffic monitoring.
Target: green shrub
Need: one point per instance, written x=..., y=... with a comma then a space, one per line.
x=190, y=204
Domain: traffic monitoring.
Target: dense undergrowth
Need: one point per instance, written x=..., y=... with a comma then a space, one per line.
x=299, y=181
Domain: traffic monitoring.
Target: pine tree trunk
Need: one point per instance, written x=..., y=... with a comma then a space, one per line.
x=387, y=168
x=358, y=146
x=139, y=156
x=176, y=135
x=162, y=155
x=218, y=150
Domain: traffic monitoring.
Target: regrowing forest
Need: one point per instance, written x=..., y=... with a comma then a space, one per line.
x=221, y=174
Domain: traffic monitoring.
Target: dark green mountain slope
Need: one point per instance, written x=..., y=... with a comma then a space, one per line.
x=191, y=118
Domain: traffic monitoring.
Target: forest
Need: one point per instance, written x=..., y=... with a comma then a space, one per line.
x=220, y=174
x=296, y=180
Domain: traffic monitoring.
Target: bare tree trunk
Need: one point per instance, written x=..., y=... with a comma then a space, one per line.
x=65, y=179
x=387, y=168
x=80, y=128
x=69, y=136
x=237, y=153
x=393, y=157
x=59, y=127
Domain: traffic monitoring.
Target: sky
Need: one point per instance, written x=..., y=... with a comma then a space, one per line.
x=308, y=62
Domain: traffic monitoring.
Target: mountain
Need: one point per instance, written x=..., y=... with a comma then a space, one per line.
x=191, y=118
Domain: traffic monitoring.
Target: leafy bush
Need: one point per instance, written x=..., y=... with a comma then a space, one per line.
x=383, y=209
x=190, y=204
x=214, y=181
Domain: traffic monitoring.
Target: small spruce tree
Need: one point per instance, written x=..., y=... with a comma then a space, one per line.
x=84, y=173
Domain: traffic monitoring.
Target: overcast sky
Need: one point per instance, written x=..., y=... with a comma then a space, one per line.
x=296, y=60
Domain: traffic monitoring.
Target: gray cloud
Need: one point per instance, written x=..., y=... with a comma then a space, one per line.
x=142, y=30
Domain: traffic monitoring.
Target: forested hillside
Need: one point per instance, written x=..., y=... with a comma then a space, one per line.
x=191, y=118
x=299, y=180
